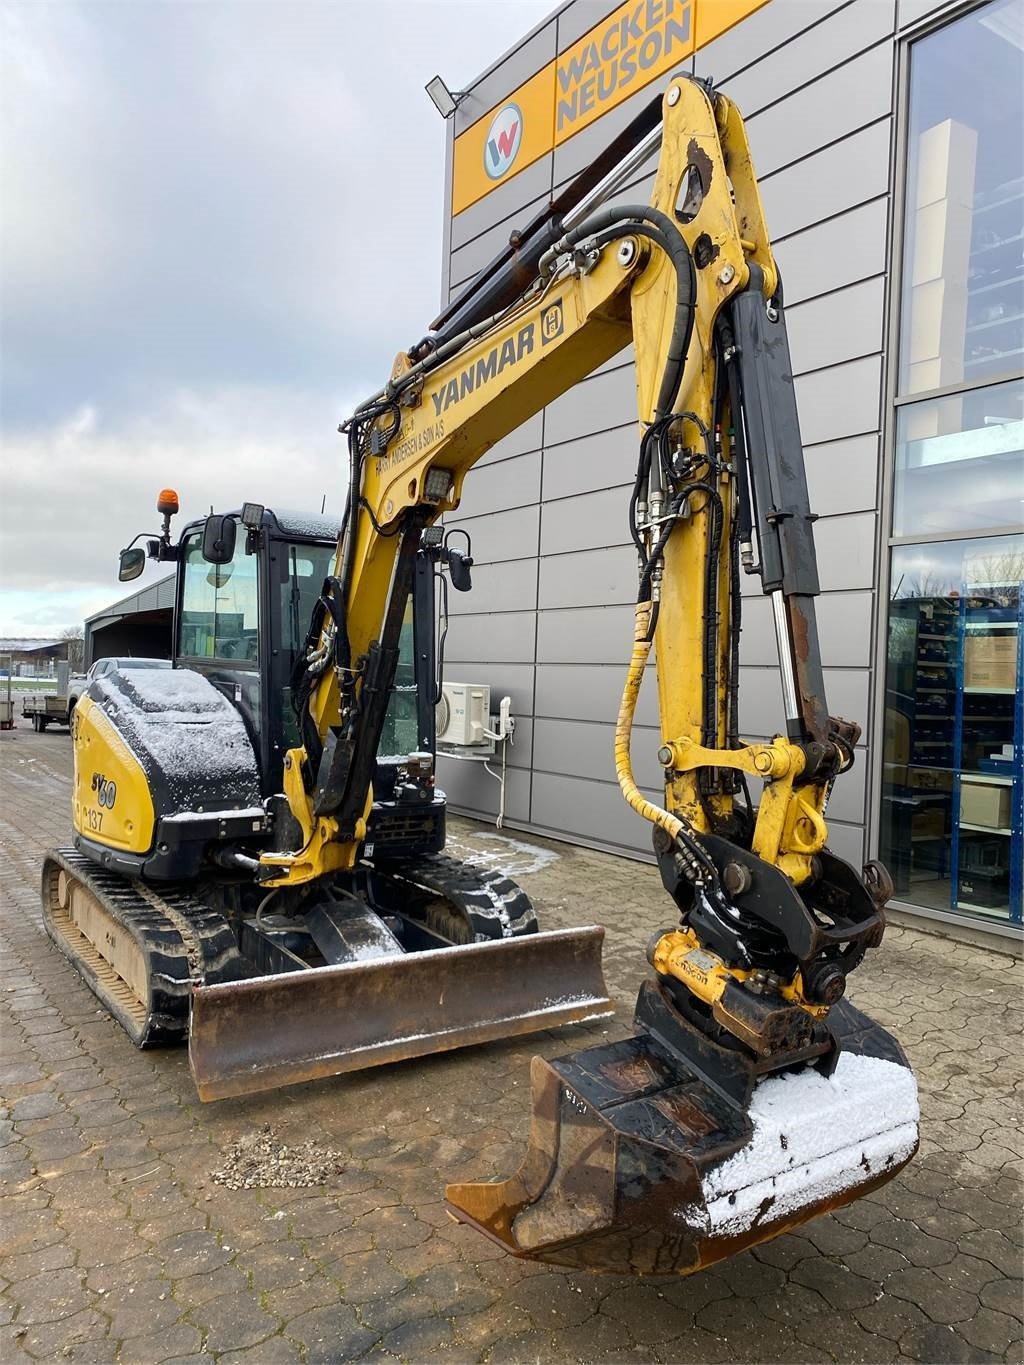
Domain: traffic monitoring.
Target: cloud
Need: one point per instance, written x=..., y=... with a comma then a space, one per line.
x=222, y=221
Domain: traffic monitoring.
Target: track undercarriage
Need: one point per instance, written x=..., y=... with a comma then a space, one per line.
x=388, y=964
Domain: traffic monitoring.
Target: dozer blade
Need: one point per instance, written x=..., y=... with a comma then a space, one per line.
x=256, y=1035
x=637, y=1164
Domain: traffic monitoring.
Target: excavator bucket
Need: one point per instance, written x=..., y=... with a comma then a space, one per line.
x=638, y=1164
x=253, y=1035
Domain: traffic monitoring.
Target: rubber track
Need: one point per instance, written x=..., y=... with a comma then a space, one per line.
x=497, y=907
x=183, y=942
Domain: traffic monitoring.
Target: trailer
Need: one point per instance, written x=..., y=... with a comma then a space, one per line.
x=6, y=697
x=57, y=708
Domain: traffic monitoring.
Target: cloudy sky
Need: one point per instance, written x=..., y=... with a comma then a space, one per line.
x=220, y=222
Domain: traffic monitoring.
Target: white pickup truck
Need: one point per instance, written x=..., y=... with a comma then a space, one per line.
x=57, y=708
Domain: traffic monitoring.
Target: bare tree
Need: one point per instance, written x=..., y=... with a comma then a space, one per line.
x=75, y=637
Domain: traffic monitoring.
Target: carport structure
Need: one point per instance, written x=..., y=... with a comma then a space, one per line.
x=140, y=624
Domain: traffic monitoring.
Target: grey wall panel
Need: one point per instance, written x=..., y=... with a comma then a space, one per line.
x=910, y=12
x=844, y=631
x=847, y=841
x=605, y=400
x=581, y=15
x=579, y=749
x=842, y=476
x=595, y=578
x=528, y=436
x=504, y=680
x=761, y=711
x=508, y=586
x=847, y=692
x=585, y=146
x=837, y=327
x=829, y=255
x=587, y=635
x=498, y=83
x=593, y=810
x=848, y=98
x=469, y=788
x=605, y=460
x=509, y=198
x=471, y=258
x=499, y=638
x=519, y=752
x=589, y=521
x=845, y=548
x=590, y=692
x=848, y=30
x=499, y=487
x=841, y=401
x=503, y=535
x=848, y=795
x=837, y=178
x=760, y=33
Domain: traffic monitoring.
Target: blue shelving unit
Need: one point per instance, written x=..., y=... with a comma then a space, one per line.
x=988, y=620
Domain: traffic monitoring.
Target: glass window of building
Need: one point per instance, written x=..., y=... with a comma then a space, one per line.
x=953, y=748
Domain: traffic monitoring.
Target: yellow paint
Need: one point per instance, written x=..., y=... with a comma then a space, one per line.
x=624, y=53
x=111, y=801
x=681, y=954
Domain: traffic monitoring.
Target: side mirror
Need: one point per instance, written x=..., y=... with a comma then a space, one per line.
x=131, y=564
x=219, y=539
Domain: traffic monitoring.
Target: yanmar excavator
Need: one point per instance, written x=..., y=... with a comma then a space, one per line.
x=752, y=1095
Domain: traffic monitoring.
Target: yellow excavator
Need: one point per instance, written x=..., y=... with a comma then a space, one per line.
x=258, y=855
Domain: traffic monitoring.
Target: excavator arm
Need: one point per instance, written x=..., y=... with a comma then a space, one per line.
x=748, y=986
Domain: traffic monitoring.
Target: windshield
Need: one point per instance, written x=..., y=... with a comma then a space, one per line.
x=219, y=605
x=301, y=573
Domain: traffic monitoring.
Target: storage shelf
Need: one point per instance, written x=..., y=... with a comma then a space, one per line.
x=996, y=355
x=996, y=284
x=984, y=829
x=989, y=779
x=1014, y=198
x=993, y=322
x=997, y=246
x=990, y=692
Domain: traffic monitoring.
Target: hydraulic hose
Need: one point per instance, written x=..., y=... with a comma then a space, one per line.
x=634, y=797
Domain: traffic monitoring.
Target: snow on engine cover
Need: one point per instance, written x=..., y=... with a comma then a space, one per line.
x=163, y=764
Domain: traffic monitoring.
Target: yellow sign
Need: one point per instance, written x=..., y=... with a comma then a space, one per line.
x=638, y=42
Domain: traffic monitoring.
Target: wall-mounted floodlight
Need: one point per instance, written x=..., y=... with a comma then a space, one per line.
x=444, y=101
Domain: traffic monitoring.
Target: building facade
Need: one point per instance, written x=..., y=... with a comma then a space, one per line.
x=887, y=139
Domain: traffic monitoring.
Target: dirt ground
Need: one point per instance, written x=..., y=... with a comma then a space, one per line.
x=119, y=1245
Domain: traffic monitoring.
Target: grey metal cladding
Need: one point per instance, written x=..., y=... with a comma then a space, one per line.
x=819, y=49
x=842, y=476
x=761, y=711
x=847, y=800
x=503, y=535
x=580, y=17
x=910, y=12
x=759, y=34
x=583, y=147
x=848, y=98
x=844, y=631
x=593, y=811
x=845, y=548
x=832, y=254
x=841, y=401
x=590, y=635
x=498, y=83
x=846, y=841
x=470, y=259
x=469, y=788
x=581, y=749
x=528, y=436
x=593, y=578
x=837, y=327
x=498, y=487
x=591, y=692
x=602, y=401
x=590, y=521
x=504, y=680
x=508, y=586
x=837, y=178
x=505, y=637
x=510, y=197
x=604, y=460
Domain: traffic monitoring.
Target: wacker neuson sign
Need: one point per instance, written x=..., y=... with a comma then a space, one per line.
x=638, y=42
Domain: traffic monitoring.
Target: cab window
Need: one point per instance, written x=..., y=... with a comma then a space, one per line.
x=219, y=606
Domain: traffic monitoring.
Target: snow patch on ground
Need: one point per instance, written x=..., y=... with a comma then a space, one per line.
x=815, y=1136
x=513, y=857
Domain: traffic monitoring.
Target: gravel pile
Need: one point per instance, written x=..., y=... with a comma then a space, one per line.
x=259, y=1162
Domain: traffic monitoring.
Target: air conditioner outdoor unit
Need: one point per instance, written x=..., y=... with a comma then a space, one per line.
x=463, y=713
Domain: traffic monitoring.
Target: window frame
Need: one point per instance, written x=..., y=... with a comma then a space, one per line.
x=221, y=660
x=892, y=400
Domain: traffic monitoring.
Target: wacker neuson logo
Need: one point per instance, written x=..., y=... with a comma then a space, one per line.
x=504, y=138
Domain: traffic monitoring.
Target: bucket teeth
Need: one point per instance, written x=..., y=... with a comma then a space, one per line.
x=637, y=1164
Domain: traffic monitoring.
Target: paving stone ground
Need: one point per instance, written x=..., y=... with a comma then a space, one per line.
x=117, y=1245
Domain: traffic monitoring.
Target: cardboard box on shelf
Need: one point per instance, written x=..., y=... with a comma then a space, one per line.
x=984, y=803
x=991, y=660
